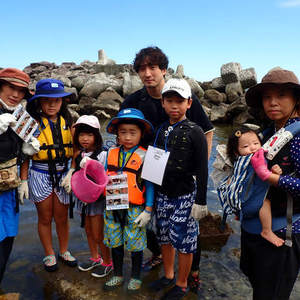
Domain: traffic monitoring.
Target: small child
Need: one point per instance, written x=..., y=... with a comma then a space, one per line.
x=126, y=227
x=243, y=142
x=49, y=167
x=180, y=201
x=87, y=137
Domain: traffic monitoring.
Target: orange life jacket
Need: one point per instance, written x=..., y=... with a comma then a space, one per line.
x=132, y=168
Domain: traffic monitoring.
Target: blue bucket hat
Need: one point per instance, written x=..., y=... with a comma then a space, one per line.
x=129, y=114
x=50, y=88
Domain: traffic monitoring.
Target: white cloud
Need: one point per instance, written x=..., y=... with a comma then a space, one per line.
x=290, y=3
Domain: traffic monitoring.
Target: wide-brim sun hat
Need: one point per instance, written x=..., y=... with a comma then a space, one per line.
x=89, y=182
x=49, y=88
x=129, y=114
x=178, y=85
x=275, y=77
x=89, y=120
x=16, y=77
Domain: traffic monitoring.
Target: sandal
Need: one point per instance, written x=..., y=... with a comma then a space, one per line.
x=113, y=283
x=134, y=285
x=50, y=263
x=68, y=259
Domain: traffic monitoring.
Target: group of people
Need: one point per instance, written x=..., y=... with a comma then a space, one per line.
x=163, y=212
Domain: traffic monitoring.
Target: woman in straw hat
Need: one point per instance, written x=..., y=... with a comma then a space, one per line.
x=272, y=271
x=13, y=88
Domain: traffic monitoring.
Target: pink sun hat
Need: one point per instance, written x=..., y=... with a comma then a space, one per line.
x=89, y=182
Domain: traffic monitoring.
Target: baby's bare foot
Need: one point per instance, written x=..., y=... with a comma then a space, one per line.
x=272, y=238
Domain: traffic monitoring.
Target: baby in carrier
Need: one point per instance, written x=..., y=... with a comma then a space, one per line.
x=243, y=142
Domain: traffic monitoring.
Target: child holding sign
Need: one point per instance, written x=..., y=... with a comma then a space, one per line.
x=180, y=201
x=126, y=226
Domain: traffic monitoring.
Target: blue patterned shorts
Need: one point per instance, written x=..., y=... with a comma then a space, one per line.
x=175, y=225
x=131, y=236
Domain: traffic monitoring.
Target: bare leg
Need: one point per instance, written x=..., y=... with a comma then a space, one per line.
x=99, y=235
x=184, y=267
x=168, y=255
x=45, y=215
x=266, y=223
x=62, y=224
x=89, y=234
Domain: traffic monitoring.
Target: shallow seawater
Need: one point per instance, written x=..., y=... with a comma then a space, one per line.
x=220, y=274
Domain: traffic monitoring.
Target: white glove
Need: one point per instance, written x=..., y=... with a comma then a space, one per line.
x=23, y=191
x=66, y=182
x=31, y=147
x=199, y=211
x=83, y=161
x=143, y=219
x=5, y=121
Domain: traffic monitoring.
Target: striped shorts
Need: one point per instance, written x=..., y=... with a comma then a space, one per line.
x=40, y=187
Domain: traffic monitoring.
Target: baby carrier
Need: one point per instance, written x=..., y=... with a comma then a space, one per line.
x=242, y=193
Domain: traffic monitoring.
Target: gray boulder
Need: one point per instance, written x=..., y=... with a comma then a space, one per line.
x=79, y=81
x=179, y=71
x=248, y=78
x=218, y=113
x=230, y=72
x=218, y=84
x=214, y=96
x=233, y=91
x=196, y=88
x=131, y=83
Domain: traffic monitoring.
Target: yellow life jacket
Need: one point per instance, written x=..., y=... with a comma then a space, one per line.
x=132, y=168
x=61, y=149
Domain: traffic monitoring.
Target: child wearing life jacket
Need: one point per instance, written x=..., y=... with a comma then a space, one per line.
x=179, y=202
x=88, y=139
x=242, y=142
x=49, y=167
x=125, y=228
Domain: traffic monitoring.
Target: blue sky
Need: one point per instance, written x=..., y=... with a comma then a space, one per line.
x=200, y=35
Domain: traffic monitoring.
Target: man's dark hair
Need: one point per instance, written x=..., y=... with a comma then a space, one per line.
x=150, y=56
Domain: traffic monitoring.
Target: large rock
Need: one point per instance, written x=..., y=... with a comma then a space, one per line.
x=230, y=72
x=179, y=71
x=218, y=84
x=248, y=78
x=196, y=88
x=233, y=91
x=214, y=96
x=79, y=81
x=99, y=83
x=218, y=113
x=131, y=83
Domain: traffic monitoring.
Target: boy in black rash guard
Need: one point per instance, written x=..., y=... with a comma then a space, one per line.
x=180, y=203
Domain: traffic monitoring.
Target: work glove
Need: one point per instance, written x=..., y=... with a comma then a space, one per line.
x=143, y=219
x=5, y=121
x=199, y=211
x=32, y=147
x=23, y=191
x=66, y=182
x=259, y=165
x=83, y=161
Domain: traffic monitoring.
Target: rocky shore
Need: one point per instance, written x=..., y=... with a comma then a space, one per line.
x=100, y=87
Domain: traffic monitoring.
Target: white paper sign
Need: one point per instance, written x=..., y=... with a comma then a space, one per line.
x=155, y=164
x=26, y=125
x=117, y=192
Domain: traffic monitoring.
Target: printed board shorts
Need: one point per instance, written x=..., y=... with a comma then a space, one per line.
x=91, y=209
x=131, y=236
x=40, y=187
x=175, y=225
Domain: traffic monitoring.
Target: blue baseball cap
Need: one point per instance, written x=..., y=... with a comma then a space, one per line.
x=50, y=88
x=130, y=114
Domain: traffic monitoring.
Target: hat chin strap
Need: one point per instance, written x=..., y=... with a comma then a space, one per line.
x=7, y=107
